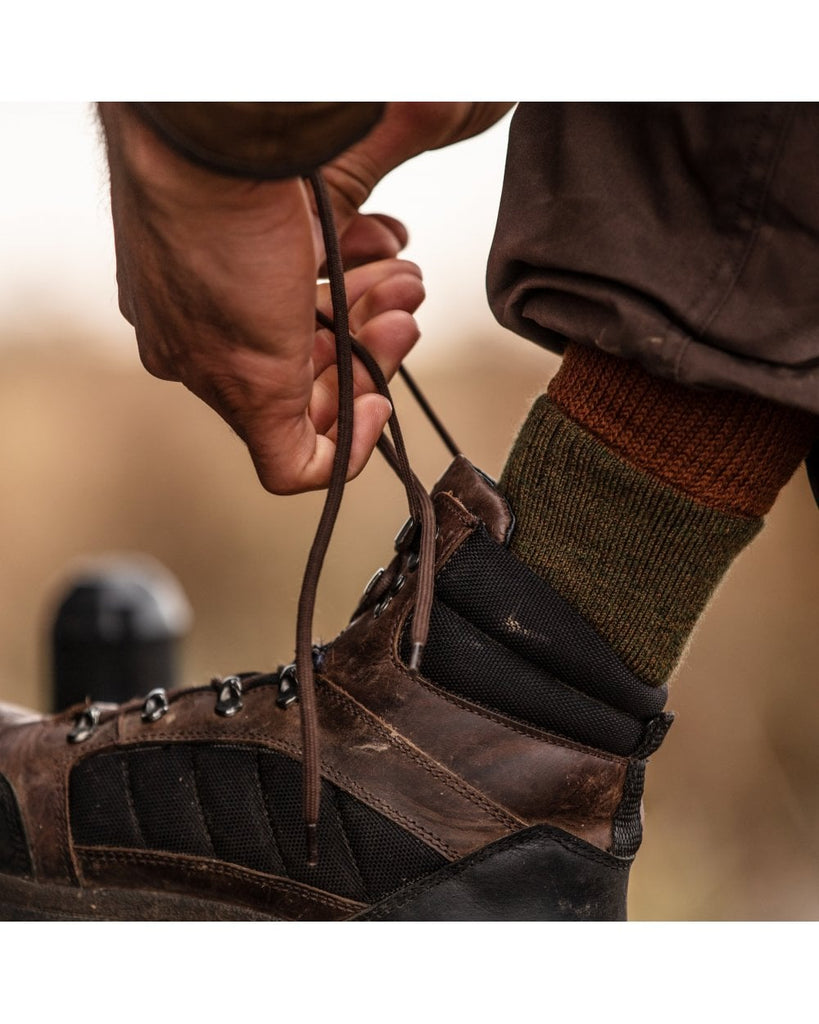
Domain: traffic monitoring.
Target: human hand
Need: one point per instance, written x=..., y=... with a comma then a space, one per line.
x=217, y=276
x=404, y=131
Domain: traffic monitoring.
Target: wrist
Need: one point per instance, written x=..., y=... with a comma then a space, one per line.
x=152, y=169
x=185, y=200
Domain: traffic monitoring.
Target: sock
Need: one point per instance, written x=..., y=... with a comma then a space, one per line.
x=633, y=495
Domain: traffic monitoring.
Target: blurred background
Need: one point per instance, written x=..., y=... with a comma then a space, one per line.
x=98, y=457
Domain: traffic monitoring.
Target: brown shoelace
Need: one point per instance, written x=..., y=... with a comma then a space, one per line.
x=422, y=513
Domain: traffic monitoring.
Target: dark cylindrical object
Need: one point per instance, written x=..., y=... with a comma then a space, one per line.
x=116, y=631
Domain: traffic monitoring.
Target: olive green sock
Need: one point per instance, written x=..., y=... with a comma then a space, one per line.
x=637, y=557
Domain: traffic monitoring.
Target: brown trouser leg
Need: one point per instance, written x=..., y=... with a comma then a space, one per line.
x=683, y=235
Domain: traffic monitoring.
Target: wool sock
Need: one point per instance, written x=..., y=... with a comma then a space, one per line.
x=633, y=495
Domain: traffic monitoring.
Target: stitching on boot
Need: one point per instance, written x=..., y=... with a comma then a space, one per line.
x=206, y=866
x=438, y=771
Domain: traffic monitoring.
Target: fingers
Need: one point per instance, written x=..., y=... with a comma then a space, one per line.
x=373, y=291
x=370, y=237
x=370, y=278
x=382, y=298
x=262, y=400
x=371, y=413
x=286, y=416
x=308, y=462
x=392, y=335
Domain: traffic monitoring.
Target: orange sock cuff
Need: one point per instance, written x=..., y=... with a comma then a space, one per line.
x=727, y=450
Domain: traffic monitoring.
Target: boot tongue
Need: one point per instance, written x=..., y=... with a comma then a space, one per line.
x=477, y=493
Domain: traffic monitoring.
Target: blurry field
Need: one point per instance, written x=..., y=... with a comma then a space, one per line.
x=97, y=457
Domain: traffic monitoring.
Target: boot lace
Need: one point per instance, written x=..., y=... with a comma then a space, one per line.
x=422, y=513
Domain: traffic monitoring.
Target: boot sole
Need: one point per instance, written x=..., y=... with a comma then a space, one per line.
x=24, y=900
x=538, y=874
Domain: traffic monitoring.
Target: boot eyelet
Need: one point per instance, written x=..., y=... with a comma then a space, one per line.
x=288, y=687
x=376, y=576
x=155, y=705
x=406, y=534
x=399, y=583
x=381, y=607
x=412, y=561
x=229, y=699
x=84, y=724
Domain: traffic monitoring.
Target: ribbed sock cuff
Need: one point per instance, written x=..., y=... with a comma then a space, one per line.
x=725, y=449
x=636, y=556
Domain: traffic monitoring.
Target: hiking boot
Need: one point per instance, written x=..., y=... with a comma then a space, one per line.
x=448, y=794
x=467, y=749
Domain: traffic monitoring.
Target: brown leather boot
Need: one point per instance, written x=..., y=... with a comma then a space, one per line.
x=467, y=749
x=449, y=794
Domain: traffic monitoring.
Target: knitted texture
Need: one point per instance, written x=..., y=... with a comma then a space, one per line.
x=728, y=450
x=636, y=556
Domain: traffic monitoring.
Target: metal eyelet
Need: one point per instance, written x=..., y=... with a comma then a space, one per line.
x=288, y=687
x=84, y=724
x=412, y=561
x=155, y=705
x=406, y=534
x=398, y=584
x=382, y=606
x=376, y=576
x=229, y=699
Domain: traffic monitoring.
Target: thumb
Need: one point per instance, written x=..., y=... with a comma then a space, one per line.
x=371, y=414
x=290, y=457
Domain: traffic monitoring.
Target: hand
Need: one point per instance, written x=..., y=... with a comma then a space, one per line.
x=217, y=276
x=404, y=131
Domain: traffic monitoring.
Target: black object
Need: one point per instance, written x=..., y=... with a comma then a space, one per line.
x=116, y=631
x=538, y=874
x=14, y=852
x=242, y=805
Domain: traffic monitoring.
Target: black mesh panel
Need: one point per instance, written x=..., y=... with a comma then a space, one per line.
x=387, y=856
x=460, y=658
x=165, y=796
x=102, y=806
x=487, y=585
x=234, y=807
x=242, y=805
x=14, y=855
x=336, y=870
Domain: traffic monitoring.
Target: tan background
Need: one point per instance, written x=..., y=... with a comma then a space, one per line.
x=96, y=456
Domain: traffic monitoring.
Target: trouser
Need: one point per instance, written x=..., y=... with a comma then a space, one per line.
x=683, y=235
